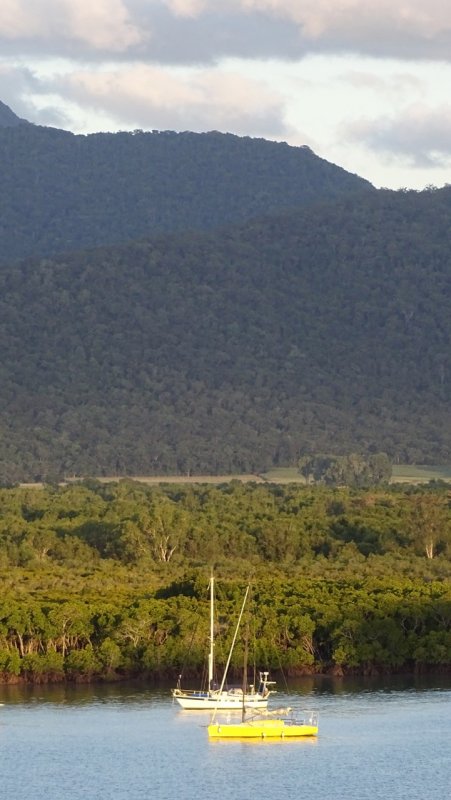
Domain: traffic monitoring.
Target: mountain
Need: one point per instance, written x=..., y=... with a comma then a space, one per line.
x=62, y=192
x=8, y=119
x=325, y=329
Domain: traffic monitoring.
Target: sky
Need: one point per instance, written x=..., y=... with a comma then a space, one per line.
x=365, y=83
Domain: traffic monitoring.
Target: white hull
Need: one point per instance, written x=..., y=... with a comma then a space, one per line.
x=225, y=700
x=256, y=696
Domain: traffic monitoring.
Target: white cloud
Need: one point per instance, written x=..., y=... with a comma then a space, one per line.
x=421, y=135
x=320, y=17
x=282, y=69
x=197, y=100
x=103, y=24
x=20, y=19
x=407, y=29
x=397, y=83
x=202, y=31
x=189, y=8
x=53, y=25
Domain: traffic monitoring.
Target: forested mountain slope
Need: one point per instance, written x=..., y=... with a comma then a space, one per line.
x=64, y=192
x=8, y=119
x=314, y=331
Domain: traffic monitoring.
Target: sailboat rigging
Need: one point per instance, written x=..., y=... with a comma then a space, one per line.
x=261, y=723
x=223, y=698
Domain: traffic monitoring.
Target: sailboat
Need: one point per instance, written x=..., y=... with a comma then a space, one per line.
x=263, y=724
x=223, y=698
x=280, y=723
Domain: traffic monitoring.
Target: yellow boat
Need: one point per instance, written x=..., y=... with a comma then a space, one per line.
x=277, y=724
x=262, y=724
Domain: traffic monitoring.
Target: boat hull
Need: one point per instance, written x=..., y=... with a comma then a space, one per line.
x=225, y=701
x=213, y=697
x=263, y=729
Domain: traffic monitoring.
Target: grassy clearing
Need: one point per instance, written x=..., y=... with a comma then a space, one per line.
x=283, y=475
x=402, y=473
x=420, y=473
x=214, y=479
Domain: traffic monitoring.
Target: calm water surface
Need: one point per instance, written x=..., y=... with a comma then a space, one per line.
x=390, y=741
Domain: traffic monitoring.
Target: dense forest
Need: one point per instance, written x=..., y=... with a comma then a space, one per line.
x=202, y=303
x=236, y=350
x=109, y=580
x=271, y=308
x=63, y=192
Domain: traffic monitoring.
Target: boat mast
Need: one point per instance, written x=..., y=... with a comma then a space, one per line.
x=211, y=655
x=246, y=645
x=230, y=653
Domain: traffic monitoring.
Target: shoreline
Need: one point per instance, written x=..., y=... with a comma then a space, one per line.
x=370, y=672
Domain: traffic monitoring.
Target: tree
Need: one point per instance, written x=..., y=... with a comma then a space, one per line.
x=350, y=470
x=429, y=524
x=167, y=528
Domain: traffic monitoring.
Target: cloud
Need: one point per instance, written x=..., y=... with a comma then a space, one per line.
x=20, y=89
x=67, y=27
x=174, y=64
x=16, y=82
x=197, y=100
x=205, y=31
x=395, y=83
x=18, y=86
x=421, y=136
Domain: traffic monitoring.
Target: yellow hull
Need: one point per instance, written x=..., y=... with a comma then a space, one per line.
x=261, y=729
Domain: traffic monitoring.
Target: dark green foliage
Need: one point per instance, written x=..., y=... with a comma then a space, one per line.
x=321, y=330
x=64, y=192
x=313, y=332
x=342, y=579
x=350, y=470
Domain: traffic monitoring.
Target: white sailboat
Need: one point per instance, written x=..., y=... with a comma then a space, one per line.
x=223, y=698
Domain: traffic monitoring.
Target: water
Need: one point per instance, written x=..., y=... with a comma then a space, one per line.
x=390, y=741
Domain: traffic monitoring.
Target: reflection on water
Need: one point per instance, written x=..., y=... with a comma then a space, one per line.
x=377, y=740
x=138, y=692
x=324, y=684
x=305, y=741
x=82, y=694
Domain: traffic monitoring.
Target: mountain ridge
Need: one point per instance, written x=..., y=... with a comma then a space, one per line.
x=64, y=192
x=206, y=303
x=8, y=119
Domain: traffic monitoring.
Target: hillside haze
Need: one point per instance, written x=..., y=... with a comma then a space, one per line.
x=325, y=329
